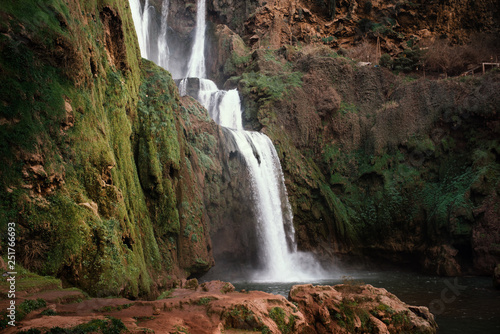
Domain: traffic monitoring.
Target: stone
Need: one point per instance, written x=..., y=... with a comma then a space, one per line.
x=335, y=306
x=496, y=277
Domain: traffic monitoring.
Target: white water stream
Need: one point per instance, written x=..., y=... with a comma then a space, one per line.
x=281, y=260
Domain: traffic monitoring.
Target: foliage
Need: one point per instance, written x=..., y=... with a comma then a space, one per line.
x=29, y=305
x=279, y=317
x=49, y=312
x=385, y=60
x=108, y=326
x=451, y=193
x=165, y=294
x=271, y=87
x=341, y=218
x=408, y=60
x=205, y=300
x=347, y=108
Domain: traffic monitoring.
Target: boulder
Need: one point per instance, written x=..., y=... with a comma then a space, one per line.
x=358, y=309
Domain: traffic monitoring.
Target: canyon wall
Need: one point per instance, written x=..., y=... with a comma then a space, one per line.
x=110, y=176
x=119, y=186
x=376, y=164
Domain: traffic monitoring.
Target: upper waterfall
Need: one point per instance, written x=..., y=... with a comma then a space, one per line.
x=196, y=65
x=163, y=51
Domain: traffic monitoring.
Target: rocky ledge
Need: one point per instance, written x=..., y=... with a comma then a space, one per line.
x=215, y=307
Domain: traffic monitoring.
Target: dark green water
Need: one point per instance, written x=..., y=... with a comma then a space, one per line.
x=461, y=305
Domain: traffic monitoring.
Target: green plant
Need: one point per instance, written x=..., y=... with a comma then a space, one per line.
x=386, y=60
x=108, y=326
x=408, y=60
x=49, y=312
x=271, y=87
x=205, y=300
x=328, y=40
x=279, y=317
x=28, y=306
x=348, y=108
x=165, y=294
x=114, y=308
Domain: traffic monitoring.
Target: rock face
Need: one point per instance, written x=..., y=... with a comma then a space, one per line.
x=341, y=23
x=378, y=166
x=119, y=186
x=214, y=307
x=353, y=309
x=364, y=152
x=106, y=171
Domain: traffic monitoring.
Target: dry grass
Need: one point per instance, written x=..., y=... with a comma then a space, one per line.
x=441, y=56
x=364, y=51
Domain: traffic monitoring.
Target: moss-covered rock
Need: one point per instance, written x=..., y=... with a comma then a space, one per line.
x=97, y=169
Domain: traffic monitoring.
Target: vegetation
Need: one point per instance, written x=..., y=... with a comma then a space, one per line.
x=279, y=317
x=365, y=192
x=271, y=87
x=108, y=326
x=22, y=310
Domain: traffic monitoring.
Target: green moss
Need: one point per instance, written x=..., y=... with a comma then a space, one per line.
x=270, y=87
x=93, y=157
x=348, y=108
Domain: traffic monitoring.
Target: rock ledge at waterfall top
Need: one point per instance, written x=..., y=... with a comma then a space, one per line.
x=214, y=307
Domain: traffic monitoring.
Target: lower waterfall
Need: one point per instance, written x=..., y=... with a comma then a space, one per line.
x=280, y=260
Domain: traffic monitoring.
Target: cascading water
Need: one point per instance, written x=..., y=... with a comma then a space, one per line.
x=163, y=51
x=281, y=260
x=141, y=16
x=153, y=43
x=196, y=65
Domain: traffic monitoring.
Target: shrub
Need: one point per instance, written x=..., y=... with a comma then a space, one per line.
x=365, y=51
x=443, y=56
x=386, y=60
x=408, y=60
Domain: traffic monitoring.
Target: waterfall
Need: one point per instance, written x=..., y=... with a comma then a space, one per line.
x=163, y=51
x=152, y=39
x=281, y=260
x=196, y=65
x=140, y=15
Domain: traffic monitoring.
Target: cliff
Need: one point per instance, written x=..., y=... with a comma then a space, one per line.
x=398, y=167
x=402, y=170
x=103, y=166
x=119, y=186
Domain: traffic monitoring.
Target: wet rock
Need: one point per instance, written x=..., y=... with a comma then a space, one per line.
x=441, y=260
x=358, y=308
x=496, y=277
